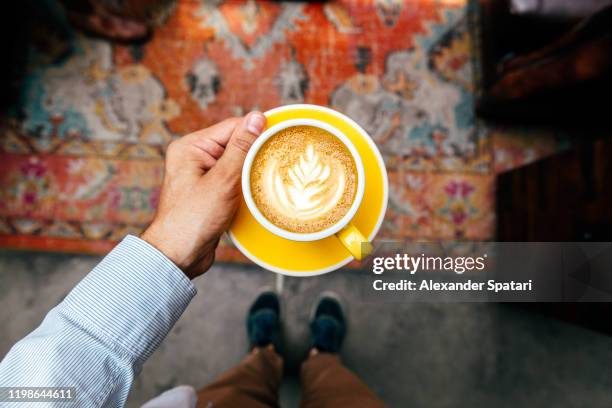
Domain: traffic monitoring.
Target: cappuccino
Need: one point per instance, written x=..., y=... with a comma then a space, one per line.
x=303, y=179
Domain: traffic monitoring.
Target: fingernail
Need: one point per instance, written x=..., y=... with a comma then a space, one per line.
x=256, y=122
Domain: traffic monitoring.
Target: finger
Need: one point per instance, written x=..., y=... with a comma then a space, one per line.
x=206, y=152
x=204, y=147
x=206, y=156
x=241, y=141
x=220, y=132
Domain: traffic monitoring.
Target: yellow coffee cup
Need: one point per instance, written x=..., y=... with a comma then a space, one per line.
x=348, y=234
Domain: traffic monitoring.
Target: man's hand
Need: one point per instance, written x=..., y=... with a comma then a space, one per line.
x=201, y=191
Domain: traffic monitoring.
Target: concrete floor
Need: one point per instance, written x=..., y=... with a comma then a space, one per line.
x=417, y=355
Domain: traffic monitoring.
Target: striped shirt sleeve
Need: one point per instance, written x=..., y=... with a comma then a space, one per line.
x=97, y=339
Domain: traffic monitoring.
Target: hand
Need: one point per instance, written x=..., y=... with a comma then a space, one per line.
x=201, y=191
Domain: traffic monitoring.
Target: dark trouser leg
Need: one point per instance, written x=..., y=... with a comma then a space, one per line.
x=326, y=383
x=253, y=383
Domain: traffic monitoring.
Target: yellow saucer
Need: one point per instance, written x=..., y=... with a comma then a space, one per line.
x=317, y=257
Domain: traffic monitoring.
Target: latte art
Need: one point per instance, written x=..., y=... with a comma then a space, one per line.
x=308, y=192
x=303, y=179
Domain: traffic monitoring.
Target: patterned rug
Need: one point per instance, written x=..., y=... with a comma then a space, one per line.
x=81, y=156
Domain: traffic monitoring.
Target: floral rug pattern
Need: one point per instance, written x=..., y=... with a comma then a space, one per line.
x=81, y=156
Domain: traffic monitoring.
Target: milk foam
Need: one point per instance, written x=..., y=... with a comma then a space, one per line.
x=307, y=191
x=303, y=179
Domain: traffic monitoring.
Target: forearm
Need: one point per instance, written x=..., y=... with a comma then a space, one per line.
x=97, y=339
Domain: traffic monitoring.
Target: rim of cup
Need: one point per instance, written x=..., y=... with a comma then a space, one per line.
x=296, y=236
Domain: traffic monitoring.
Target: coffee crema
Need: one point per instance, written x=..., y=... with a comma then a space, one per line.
x=303, y=179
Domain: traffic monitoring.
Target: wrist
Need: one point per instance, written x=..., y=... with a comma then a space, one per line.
x=154, y=236
x=182, y=250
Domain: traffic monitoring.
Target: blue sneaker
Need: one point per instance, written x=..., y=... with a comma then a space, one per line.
x=328, y=324
x=263, y=320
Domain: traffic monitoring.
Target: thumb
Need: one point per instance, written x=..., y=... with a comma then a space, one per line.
x=241, y=141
